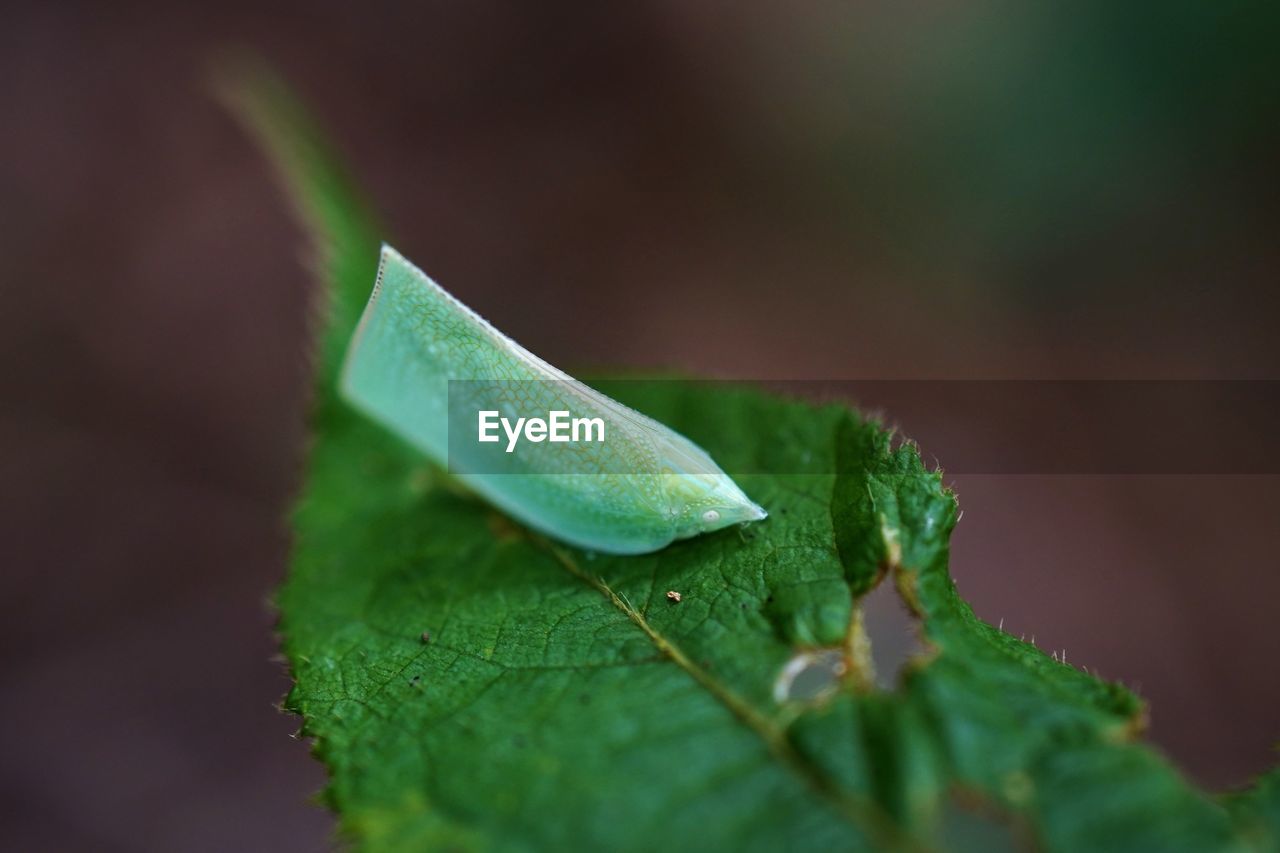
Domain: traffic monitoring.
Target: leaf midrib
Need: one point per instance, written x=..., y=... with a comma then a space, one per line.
x=863, y=813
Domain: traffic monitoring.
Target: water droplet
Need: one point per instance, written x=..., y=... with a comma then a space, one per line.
x=810, y=676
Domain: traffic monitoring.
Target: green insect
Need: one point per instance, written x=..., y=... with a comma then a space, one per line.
x=425, y=366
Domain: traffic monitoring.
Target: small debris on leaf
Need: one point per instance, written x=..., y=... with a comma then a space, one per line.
x=672, y=595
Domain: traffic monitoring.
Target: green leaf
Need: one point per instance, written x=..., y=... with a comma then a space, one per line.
x=1257, y=810
x=471, y=685
x=342, y=228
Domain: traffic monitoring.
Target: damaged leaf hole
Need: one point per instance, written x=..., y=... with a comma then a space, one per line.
x=883, y=639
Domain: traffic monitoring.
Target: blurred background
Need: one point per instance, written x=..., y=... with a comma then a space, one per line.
x=826, y=190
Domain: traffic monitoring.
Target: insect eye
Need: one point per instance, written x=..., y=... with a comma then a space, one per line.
x=711, y=516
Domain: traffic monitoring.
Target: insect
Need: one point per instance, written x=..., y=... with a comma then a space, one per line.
x=637, y=491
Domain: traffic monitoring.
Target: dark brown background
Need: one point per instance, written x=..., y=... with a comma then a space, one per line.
x=938, y=190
